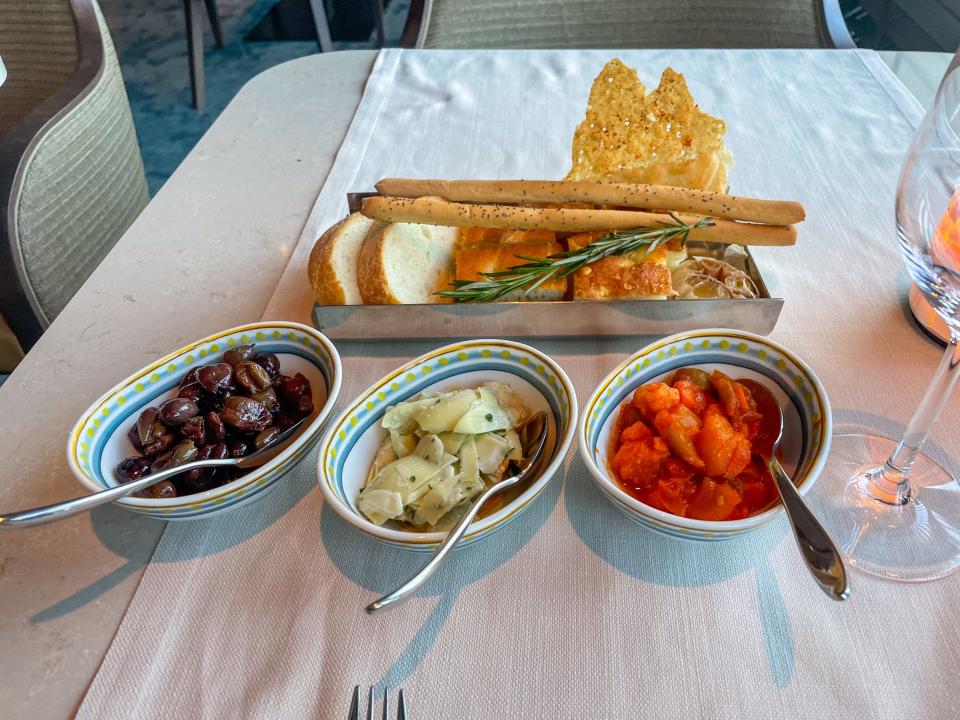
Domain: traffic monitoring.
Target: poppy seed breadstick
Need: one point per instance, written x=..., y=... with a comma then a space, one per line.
x=436, y=211
x=635, y=195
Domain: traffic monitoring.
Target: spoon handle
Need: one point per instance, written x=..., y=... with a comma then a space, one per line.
x=60, y=510
x=414, y=583
x=820, y=554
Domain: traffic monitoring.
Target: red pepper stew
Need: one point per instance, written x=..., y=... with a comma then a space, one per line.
x=685, y=448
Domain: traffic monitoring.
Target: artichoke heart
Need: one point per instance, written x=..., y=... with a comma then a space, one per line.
x=440, y=451
x=484, y=415
x=491, y=451
x=444, y=415
x=400, y=417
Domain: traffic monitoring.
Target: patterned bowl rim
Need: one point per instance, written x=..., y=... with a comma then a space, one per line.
x=483, y=527
x=609, y=486
x=307, y=436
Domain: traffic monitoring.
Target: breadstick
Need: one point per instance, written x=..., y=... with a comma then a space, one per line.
x=649, y=197
x=435, y=211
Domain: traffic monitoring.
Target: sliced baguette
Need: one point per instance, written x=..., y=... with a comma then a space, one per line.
x=334, y=259
x=405, y=263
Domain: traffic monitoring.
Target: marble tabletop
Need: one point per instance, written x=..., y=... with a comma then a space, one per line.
x=233, y=209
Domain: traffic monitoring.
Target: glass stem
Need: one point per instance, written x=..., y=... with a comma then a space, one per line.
x=891, y=483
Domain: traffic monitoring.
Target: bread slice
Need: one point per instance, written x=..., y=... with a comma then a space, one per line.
x=405, y=263
x=635, y=276
x=333, y=261
x=474, y=236
x=491, y=258
x=485, y=237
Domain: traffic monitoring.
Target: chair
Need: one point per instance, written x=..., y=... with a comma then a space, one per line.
x=71, y=175
x=193, y=14
x=626, y=24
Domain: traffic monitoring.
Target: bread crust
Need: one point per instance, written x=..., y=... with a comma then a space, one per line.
x=327, y=288
x=371, y=275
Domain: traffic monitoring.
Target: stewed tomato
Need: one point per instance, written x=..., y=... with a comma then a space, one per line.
x=685, y=447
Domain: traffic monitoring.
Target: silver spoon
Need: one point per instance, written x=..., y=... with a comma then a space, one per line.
x=820, y=554
x=60, y=510
x=536, y=430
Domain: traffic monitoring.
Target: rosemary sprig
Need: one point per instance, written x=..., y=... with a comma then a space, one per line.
x=536, y=271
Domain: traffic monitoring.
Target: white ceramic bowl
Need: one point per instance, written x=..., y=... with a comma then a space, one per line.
x=807, y=419
x=350, y=443
x=99, y=440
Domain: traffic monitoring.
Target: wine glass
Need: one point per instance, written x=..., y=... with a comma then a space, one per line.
x=897, y=511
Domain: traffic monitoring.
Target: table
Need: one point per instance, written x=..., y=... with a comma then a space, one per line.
x=231, y=207
x=920, y=72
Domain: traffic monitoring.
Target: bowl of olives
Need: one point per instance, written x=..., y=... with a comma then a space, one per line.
x=227, y=395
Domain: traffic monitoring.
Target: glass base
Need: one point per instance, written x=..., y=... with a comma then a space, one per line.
x=916, y=541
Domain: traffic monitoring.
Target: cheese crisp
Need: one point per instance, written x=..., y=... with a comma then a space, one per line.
x=661, y=138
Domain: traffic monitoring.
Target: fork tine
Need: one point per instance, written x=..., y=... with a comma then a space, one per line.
x=384, y=716
x=354, y=713
x=370, y=703
x=401, y=706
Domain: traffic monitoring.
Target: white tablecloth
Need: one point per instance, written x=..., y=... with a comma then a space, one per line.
x=572, y=611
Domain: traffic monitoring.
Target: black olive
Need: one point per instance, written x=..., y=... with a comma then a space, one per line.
x=237, y=447
x=215, y=426
x=286, y=419
x=246, y=415
x=182, y=453
x=177, y=411
x=269, y=398
x=305, y=405
x=190, y=378
x=132, y=468
x=147, y=426
x=195, y=429
x=251, y=377
x=163, y=489
x=266, y=437
x=160, y=444
x=200, y=479
x=193, y=391
x=237, y=355
x=215, y=378
x=291, y=389
x=268, y=361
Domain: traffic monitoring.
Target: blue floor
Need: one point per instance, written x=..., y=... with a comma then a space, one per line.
x=150, y=38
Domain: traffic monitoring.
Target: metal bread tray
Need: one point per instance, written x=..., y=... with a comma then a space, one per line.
x=551, y=319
